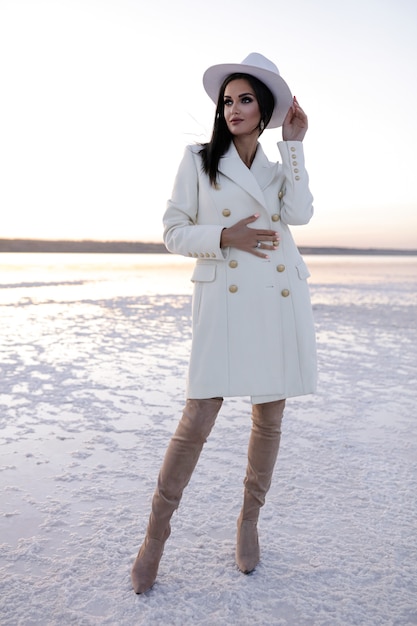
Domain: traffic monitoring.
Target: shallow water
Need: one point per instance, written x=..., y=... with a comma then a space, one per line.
x=35, y=278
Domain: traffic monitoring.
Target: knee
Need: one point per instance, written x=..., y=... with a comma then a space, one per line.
x=198, y=419
x=268, y=416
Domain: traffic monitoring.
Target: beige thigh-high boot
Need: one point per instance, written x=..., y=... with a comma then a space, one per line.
x=262, y=453
x=180, y=460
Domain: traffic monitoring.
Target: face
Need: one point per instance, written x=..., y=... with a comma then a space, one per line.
x=241, y=109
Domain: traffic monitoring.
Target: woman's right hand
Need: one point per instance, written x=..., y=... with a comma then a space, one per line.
x=252, y=240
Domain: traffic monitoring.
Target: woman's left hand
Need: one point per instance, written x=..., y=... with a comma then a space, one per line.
x=295, y=124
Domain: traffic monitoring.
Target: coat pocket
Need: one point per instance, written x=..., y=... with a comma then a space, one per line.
x=303, y=271
x=204, y=273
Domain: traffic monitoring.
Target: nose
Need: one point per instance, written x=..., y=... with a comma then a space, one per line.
x=235, y=107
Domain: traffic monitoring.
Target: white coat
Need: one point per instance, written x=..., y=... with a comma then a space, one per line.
x=253, y=332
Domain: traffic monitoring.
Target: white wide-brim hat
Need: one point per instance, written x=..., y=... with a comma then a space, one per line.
x=262, y=68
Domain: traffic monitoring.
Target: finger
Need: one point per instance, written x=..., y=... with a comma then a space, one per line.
x=250, y=219
x=259, y=254
x=268, y=246
x=259, y=246
x=300, y=113
x=266, y=234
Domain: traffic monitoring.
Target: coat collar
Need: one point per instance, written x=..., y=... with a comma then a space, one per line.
x=253, y=180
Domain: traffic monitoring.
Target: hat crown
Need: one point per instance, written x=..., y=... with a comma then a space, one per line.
x=260, y=62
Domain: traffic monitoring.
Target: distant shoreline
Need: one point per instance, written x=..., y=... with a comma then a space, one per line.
x=139, y=247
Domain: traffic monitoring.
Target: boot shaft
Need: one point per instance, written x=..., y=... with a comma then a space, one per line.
x=263, y=450
x=180, y=459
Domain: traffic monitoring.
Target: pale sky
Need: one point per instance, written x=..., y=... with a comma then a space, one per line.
x=98, y=99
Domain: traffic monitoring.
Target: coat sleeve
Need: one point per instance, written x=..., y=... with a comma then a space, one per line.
x=182, y=232
x=297, y=201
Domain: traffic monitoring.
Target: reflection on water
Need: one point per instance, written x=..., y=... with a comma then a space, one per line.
x=341, y=269
x=40, y=277
x=69, y=277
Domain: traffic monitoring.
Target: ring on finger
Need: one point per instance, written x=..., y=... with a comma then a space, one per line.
x=258, y=245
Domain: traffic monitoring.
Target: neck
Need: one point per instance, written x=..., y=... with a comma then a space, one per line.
x=246, y=148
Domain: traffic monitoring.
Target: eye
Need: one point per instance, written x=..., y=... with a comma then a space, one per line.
x=247, y=100
x=227, y=102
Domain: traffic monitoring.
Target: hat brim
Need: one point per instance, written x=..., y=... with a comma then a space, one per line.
x=215, y=75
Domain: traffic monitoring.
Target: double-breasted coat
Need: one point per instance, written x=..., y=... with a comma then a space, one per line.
x=252, y=324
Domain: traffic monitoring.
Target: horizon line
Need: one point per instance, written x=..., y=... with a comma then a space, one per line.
x=92, y=246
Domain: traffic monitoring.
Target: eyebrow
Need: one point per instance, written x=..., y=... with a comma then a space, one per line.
x=247, y=93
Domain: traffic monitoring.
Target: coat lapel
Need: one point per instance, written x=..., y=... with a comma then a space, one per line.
x=253, y=180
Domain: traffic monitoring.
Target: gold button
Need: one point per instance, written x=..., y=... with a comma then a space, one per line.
x=296, y=170
x=297, y=178
x=294, y=163
x=275, y=217
x=293, y=149
x=233, y=264
x=280, y=267
x=202, y=255
x=190, y=254
x=280, y=195
x=195, y=254
x=213, y=255
x=233, y=288
x=285, y=293
x=226, y=212
x=207, y=255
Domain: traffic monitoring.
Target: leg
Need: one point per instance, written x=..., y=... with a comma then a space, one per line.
x=180, y=460
x=262, y=453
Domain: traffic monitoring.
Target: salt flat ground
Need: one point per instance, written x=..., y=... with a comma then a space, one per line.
x=91, y=388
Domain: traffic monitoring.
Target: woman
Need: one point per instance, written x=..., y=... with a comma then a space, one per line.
x=253, y=332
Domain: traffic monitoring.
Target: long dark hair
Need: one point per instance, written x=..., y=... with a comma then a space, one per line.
x=221, y=137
